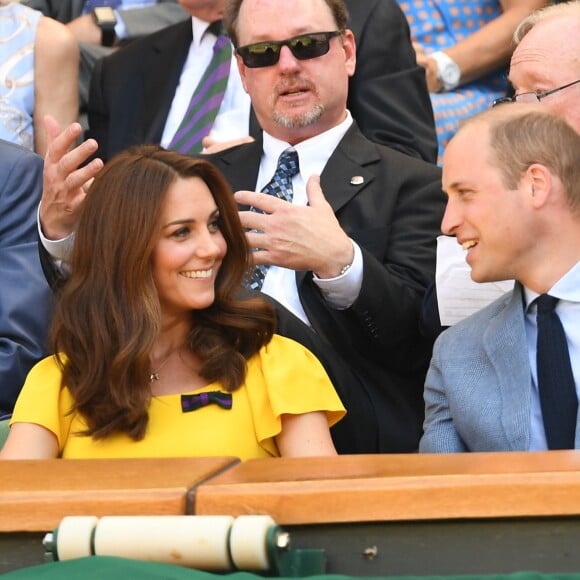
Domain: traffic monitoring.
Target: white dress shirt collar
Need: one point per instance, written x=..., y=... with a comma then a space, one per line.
x=313, y=154
x=566, y=288
x=199, y=29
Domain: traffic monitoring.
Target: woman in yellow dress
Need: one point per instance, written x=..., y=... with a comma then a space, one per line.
x=161, y=351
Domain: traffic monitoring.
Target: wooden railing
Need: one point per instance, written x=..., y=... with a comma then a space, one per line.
x=373, y=515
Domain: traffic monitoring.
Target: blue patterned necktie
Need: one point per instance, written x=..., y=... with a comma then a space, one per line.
x=280, y=186
x=199, y=400
x=207, y=98
x=555, y=379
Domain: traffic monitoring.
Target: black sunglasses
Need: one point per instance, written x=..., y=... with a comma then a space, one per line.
x=303, y=47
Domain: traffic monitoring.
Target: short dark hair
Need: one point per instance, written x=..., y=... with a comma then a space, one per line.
x=232, y=11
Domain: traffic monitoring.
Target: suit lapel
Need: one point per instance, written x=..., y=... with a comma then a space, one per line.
x=350, y=169
x=240, y=165
x=505, y=343
x=161, y=77
x=77, y=8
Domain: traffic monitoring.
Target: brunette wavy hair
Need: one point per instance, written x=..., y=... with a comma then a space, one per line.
x=108, y=313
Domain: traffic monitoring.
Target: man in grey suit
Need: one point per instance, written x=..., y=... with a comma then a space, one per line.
x=25, y=298
x=511, y=176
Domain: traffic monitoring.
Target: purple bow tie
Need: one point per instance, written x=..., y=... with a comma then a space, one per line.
x=194, y=402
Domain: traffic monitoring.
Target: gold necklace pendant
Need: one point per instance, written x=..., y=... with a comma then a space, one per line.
x=154, y=373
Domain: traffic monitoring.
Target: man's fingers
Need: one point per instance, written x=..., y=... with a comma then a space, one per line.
x=87, y=184
x=259, y=256
x=52, y=127
x=261, y=201
x=252, y=220
x=72, y=160
x=314, y=191
x=63, y=141
x=211, y=145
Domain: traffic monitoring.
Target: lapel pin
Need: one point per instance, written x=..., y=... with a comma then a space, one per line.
x=357, y=180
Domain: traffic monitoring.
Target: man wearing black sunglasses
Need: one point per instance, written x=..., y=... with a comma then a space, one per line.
x=352, y=252
x=137, y=94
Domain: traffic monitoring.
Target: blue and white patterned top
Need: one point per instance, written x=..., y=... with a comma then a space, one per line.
x=18, y=26
x=440, y=24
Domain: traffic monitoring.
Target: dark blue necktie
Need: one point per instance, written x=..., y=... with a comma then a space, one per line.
x=194, y=402
x=555, y=379
x=279, y=186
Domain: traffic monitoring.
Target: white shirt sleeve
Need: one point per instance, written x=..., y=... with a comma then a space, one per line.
x=342, y=291
x=59, y=250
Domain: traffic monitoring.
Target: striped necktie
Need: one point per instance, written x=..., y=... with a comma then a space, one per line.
x=206, y=100
x=280, y=186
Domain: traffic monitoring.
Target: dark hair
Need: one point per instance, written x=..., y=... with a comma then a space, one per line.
x=108, y=314
x=232, y=10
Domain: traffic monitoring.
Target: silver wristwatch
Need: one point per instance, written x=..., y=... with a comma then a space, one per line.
x=448, y=71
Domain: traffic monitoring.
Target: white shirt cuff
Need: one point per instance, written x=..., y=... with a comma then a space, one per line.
x=58, y=249
x=342, y=291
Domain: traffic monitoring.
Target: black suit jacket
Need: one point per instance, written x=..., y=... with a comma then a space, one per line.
x=394, y=216
x=132, y=89
x=388, y=95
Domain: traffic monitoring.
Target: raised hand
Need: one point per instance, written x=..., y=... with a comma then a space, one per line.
x=297, y=237
x=65, y=181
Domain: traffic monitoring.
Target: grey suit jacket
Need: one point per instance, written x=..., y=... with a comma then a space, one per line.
x=25, y=298
x=478, y=387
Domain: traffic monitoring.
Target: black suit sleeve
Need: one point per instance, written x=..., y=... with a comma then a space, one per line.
x=98, y=114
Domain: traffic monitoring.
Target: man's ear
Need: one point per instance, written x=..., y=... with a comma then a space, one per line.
x=242, y=69
x=349, y=45
x=539, y=182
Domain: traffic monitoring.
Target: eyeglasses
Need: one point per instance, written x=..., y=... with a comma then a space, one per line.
x=532, y=97
x=303, y=47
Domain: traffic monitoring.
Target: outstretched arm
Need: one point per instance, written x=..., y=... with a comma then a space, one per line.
x=487, y=49
x=56, y=74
